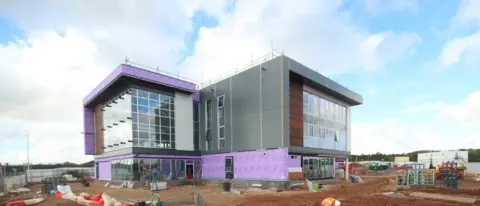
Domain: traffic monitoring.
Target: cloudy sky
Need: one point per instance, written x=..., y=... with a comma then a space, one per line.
x=415, y=62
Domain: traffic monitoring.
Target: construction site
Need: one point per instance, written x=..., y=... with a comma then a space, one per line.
x=411, y=184
x=157, y=139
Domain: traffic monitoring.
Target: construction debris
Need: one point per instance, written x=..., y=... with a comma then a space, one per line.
x=125, y=184
x=356, y=179
x=65, y=192
x=234, y=191
x=25, y=202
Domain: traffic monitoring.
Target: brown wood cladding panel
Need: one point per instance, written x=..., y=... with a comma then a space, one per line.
x=296, y=114
x=98, y=129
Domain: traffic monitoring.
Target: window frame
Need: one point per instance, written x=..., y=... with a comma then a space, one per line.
x=323, y=118
x=219, y=138
x=208, y=125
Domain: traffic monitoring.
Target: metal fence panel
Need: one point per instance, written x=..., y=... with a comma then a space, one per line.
x=37, y=175
x=9, y=183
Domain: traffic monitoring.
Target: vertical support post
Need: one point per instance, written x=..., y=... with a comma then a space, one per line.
x=346, y=170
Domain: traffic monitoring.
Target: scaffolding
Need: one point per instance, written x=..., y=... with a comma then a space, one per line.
x=449, y=174
x=417, y=176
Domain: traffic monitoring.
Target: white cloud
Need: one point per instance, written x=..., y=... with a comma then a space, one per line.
x=450, y=126
x=467, y=111
x=45, y=76
x=453, y=51
x=464, y=47
x=316, y=33
x=394, y=136
x=390, y=136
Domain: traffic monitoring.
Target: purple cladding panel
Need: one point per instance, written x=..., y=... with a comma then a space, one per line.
x=158, y=78
x=135, y=72
x=88, y=127
x=104, y=170
x=196, y=96
x=261, y=164
x=110, y=78
x=294, y=161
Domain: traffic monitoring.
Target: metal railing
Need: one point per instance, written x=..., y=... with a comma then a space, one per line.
x=254, y=62
x=202, y=84
x=158, y=71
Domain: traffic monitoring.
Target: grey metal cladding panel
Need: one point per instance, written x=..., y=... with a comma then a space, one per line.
x=271, y=104
x=222, y=88
x=316, y=77
x=272, y=130
x=246, y=109
x=271, y=84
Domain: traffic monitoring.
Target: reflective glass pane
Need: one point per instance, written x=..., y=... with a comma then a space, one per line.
x=143, y=109
x=143, y=94
x=154, y=96
x=154, y=104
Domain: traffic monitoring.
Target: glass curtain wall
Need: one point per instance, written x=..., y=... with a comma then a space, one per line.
x=153, y=123
x=319, y=167
x=142, y=169
x=324, y=123
x=117, y=123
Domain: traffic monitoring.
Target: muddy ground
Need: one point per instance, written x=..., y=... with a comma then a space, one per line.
x=368, y=193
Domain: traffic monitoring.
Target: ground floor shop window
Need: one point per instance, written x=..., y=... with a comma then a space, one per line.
x=318, y=167
x=142, y=169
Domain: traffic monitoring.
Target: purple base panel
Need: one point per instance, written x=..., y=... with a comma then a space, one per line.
x=260, y=164
x=294, y=161
x=104, y=170
x=89, y=137
x=108, y=159
x=127, y=70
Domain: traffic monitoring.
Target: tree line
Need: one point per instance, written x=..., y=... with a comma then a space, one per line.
x=473, y=156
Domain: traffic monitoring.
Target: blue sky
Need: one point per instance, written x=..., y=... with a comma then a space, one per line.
x=416, y=81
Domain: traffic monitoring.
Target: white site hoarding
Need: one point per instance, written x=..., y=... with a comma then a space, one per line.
x=439, y=157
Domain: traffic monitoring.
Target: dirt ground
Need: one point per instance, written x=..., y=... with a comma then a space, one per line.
x=368, y=193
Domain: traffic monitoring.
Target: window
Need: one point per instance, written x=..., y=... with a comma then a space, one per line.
x=152, y=117
x=196, y=125
x=324, y=123
x=208, y=125
x=117, y=122
x=221, y=122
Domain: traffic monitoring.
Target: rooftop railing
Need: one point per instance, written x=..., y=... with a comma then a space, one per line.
x=159, y=71
x=254, y=62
